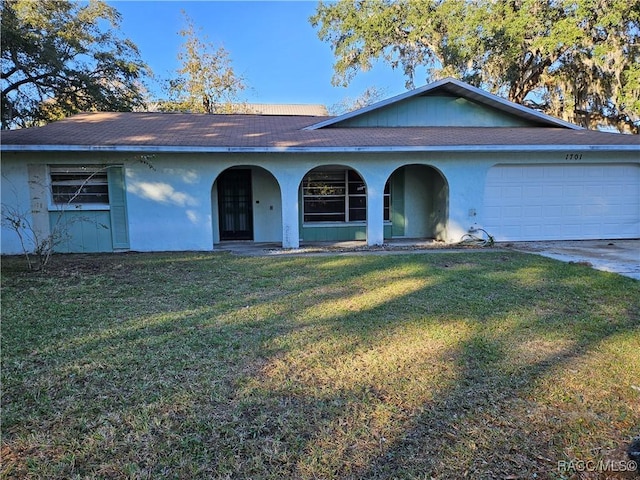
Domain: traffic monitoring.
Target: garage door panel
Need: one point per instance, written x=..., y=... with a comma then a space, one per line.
x=631, y=189
x=571, y=230
x=532, y=230
x=533, y=190
x=554, y=173
x=512, y=212
x=569, y=212
x=625, y=211
x=552, y=211
x=598, y=173
x=555, y=202
x=533, y=211
x=551, y=193
x=514, y=191
x=537, y=173
x=577, y=192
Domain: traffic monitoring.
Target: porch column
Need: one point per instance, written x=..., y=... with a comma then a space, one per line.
x=375, y=214
x=290, y=218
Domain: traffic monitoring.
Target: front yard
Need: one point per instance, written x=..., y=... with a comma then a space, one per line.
x=207, y=365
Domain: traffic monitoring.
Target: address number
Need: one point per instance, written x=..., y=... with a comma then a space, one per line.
x=573, y=156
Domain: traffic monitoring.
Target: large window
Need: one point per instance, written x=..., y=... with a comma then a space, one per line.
x=337, y=195
x=79, y=185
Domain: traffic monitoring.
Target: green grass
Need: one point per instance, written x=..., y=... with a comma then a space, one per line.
x=207, y=365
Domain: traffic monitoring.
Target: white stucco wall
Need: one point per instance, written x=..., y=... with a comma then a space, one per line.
x=171, y=207
x=267, y=207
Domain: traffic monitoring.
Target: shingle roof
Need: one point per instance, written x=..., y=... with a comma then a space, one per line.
x=199, y=132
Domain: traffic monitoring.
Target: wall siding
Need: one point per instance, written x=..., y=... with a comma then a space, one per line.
x=435, y=111
x=397, y=204
x=82, y=231
x=118, y=209
x=338, y=233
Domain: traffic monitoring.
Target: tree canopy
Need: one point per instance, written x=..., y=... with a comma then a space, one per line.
x=62, y=57
x=370, y=96
x=576, y=59
x=206, y=81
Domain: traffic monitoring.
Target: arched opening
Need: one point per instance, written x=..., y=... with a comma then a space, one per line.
x=333, y=205
x=246, y=205
x=419, y=203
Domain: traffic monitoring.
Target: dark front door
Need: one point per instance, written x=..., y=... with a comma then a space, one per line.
x=234, y=205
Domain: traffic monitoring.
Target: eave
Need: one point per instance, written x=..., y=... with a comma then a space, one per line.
x=313, y=149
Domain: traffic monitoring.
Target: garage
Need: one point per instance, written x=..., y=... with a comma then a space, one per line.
x=562, y=202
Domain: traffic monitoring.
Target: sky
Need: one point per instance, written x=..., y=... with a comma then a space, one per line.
x=271, y=44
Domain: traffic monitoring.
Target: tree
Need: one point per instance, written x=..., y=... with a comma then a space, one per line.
x=578, y=59
x=61, y=57
x=206, y=82
x=370, y=96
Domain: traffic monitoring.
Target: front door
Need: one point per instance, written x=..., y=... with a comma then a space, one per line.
x=234, y=205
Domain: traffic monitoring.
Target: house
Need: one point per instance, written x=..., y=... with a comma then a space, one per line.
x=430, y=163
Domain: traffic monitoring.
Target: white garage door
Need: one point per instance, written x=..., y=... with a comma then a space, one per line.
x=562, y=202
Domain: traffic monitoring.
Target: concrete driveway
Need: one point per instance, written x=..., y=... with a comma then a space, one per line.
x=618, y=256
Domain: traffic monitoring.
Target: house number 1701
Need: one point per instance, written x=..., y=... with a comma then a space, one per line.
x=573, y=156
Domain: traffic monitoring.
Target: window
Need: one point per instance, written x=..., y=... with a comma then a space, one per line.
x=334, y=195
x=324, y=193
x=79, y=185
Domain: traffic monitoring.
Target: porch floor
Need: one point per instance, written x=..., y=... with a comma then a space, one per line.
x=248, y=248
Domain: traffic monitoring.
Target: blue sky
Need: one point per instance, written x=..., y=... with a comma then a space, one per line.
x=271, y=44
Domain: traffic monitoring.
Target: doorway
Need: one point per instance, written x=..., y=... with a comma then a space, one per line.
x=235, y=212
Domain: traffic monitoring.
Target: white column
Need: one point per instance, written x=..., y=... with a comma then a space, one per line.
x=375, y=213
x=290, y=218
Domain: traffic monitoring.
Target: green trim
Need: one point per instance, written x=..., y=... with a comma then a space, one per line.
x=81, y=231
x=397, y=203
x=118, y=205
x=337, y=233
x=88, y=230
x=333, y=233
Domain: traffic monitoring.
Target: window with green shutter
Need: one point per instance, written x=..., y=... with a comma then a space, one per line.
x=79, y=184
x=91, y=201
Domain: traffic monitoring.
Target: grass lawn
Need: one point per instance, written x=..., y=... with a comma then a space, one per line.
x=208, y=365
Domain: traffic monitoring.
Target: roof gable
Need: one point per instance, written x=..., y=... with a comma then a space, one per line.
x=446, y=103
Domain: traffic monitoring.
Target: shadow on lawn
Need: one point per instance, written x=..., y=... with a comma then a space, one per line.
x=231, y=367
x=484, y=425
x=476, y=422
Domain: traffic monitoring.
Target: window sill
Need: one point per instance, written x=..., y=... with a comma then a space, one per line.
x=333, y=224
x=338, y=224
x=86, y=207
